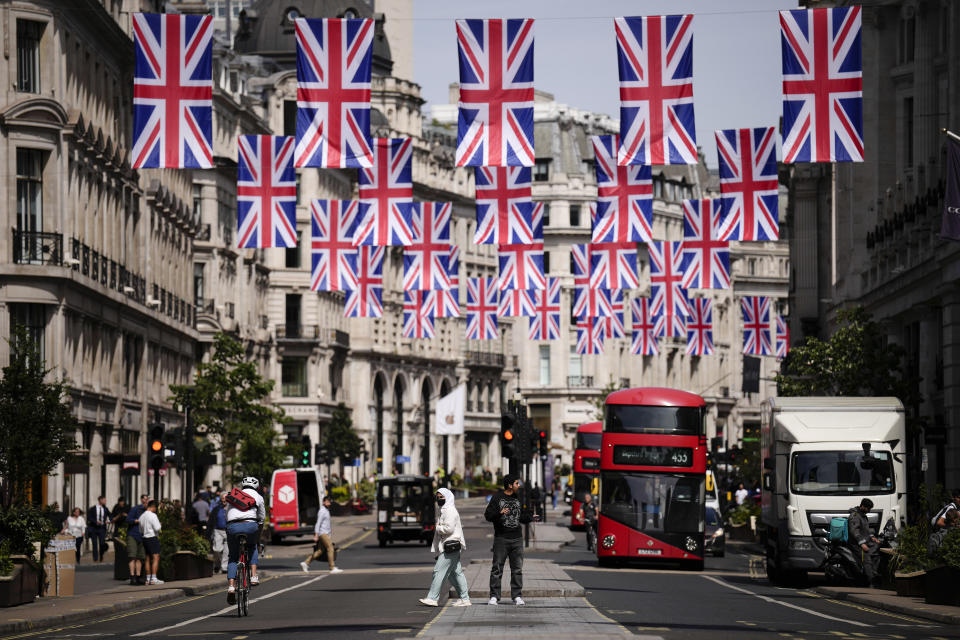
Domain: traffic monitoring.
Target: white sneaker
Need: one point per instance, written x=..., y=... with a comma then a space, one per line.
x=305, y=567
x=336, y=570
x=462, y=603
x=157, y=581
x=429, y=603
x=254, y=581
x=493, y=601
x=518, y=601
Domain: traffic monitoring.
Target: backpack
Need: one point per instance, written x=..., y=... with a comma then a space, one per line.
x=838, y=530
x=240, y=499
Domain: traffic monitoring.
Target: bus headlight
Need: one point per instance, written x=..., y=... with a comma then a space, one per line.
x=690, y=543
x=608, y=541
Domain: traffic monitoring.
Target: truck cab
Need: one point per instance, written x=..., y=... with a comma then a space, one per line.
x=821, y=456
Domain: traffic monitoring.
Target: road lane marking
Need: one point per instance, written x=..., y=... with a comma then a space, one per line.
x=785, y=604
x=868, y=609
x=607, y=618
x=435, y=618
x=230, y=608
x=356, y=540
x=403, y=630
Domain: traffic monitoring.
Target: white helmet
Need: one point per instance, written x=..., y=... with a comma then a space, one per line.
x=251, y=482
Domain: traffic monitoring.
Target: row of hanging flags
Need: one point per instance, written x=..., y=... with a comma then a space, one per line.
x=822, y=122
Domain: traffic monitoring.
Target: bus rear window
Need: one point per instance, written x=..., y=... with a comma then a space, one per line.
x=589, y=440
x=680, y=421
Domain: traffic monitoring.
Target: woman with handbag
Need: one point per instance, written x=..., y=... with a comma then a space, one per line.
x=448, y=542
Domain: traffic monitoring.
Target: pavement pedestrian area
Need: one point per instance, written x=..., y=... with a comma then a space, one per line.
x=541, y=578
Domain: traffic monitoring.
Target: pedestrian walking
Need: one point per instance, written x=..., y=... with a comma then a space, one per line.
x=555, y=490
x=135, y=550
x=505, y=512
x=448, y=543
x=75, y=526
x=322, y=542
x=741, y=494
x=150, y=528
x=218, y=524
x=98, y=516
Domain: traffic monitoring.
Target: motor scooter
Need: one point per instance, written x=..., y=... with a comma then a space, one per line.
x=843, y=565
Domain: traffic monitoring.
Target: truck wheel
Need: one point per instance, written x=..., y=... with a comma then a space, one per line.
x=382, y=542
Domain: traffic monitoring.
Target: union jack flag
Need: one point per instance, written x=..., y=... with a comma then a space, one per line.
x=613, y=265
x=386, y=187
x=700, y=328
x=442, y=303
x=644, y=337
x=655, y=55
x=333, y=92
x=624, y=210
x=666, y=275
x=516, y=303
x=581, y=262
x=172, y=91
x=366, y=301
x=594, y=303
x=670, y=326
x=501, y=216
x=545, y=323
x=589, y=337
x=495, y=125
x=748, y=184
x=453, y=264
x=417, y=322
x=266, y=192
x=482, y=294
x=521, y=266
x=707, y=259
x=333, y=256
x=426, y=262
x=783, y=337
x=612, y=325
x=822, y=85
x=756, y=325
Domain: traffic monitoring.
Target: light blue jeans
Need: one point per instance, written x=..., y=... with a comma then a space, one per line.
x=448, y=568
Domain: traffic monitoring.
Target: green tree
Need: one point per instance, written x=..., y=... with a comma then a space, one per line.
x=855, y=361
x=600, y=402
x=340, y=440
x=229, y=402
x=37, y=426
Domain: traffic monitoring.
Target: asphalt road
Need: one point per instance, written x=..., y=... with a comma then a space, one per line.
x=376, y=597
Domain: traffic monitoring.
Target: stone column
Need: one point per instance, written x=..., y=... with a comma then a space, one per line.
x=951, y=384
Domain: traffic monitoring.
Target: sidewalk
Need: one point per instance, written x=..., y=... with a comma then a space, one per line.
x=890, y=601
x=541, y=579
x=102, y=595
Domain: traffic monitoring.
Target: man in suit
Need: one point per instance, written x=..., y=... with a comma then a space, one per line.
x=97, y=518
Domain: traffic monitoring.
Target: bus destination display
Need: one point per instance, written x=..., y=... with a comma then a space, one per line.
x=650, y=456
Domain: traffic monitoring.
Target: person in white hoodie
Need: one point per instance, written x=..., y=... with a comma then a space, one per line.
x=448, y=542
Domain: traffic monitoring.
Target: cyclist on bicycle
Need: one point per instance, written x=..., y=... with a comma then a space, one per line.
x=245, y=515
x=588, y=514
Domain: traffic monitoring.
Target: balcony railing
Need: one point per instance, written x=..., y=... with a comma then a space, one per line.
x=339, y=338
x=292, y=331
x=35, y=247
x=484, y=358
x=579, y=381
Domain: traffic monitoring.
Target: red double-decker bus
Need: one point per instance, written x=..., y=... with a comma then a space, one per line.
x=586, y=467
x=653, y=462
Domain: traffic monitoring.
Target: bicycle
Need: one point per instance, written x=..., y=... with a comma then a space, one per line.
x=243, y=578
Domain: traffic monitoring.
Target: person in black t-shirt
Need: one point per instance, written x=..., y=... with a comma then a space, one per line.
x=505, y=512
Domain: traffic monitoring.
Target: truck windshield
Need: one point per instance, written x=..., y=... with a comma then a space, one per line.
x=653, y=502
x=680, y=421
x=841, y=473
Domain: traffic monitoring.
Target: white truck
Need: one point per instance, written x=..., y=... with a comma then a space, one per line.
x=820, y=457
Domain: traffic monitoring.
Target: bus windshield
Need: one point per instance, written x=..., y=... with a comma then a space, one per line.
x=681, y=421
x=589, y=440
x=653, y=502
x=841, y=473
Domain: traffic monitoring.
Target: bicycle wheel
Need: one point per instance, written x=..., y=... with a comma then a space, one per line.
x=241, y=587
x=246, y=591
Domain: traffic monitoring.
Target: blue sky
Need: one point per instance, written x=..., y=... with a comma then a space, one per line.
x=736, y=49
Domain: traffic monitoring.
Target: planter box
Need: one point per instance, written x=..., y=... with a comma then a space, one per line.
x=189, y=566
x=121, y=563
x=11, y=593
x=741, y=532
x=909, y=584
x=23, y=585
x=942, y=586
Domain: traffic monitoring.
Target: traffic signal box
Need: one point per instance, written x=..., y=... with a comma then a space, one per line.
x=508, y=435
x=157, y=457
x=304, y=457
x=543, y=443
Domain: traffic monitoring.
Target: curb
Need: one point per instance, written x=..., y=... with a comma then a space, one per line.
x=102, y=610
x=911, y=610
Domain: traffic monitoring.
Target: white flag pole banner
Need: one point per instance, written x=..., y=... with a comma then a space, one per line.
x=450, y=407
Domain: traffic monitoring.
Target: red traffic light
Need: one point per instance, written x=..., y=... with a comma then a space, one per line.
x=543, y=434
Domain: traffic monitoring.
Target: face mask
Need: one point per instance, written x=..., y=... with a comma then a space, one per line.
x=440, y=501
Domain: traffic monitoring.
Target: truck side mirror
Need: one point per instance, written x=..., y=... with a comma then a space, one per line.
x=768, y=464
x=768, y=482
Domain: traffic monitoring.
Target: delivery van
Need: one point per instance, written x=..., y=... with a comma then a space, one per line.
x=295, y=496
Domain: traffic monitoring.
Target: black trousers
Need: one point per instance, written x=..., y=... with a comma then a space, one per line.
x=98, y=540
x=502, y=549
x=870, y=560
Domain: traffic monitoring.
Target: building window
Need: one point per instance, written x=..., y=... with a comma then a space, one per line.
x=290, y=118
x=33, y=317
x=29, y=33
x=751, y=267
x=293, y=254
x=546, y=262
x=198, y=285
x=658, y=188
x=908, y=132
x=907, y=34
x=544, y=364
x=575, y=370
x=573, y=263
x=293, y=377
x=546, y=214
x=29, y=194
x=574, y=215
x=541, y=170
x=197, y=189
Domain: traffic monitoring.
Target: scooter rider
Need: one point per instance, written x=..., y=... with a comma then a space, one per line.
x=862, y=537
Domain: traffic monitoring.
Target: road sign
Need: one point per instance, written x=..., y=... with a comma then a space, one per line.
x=403, y=459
